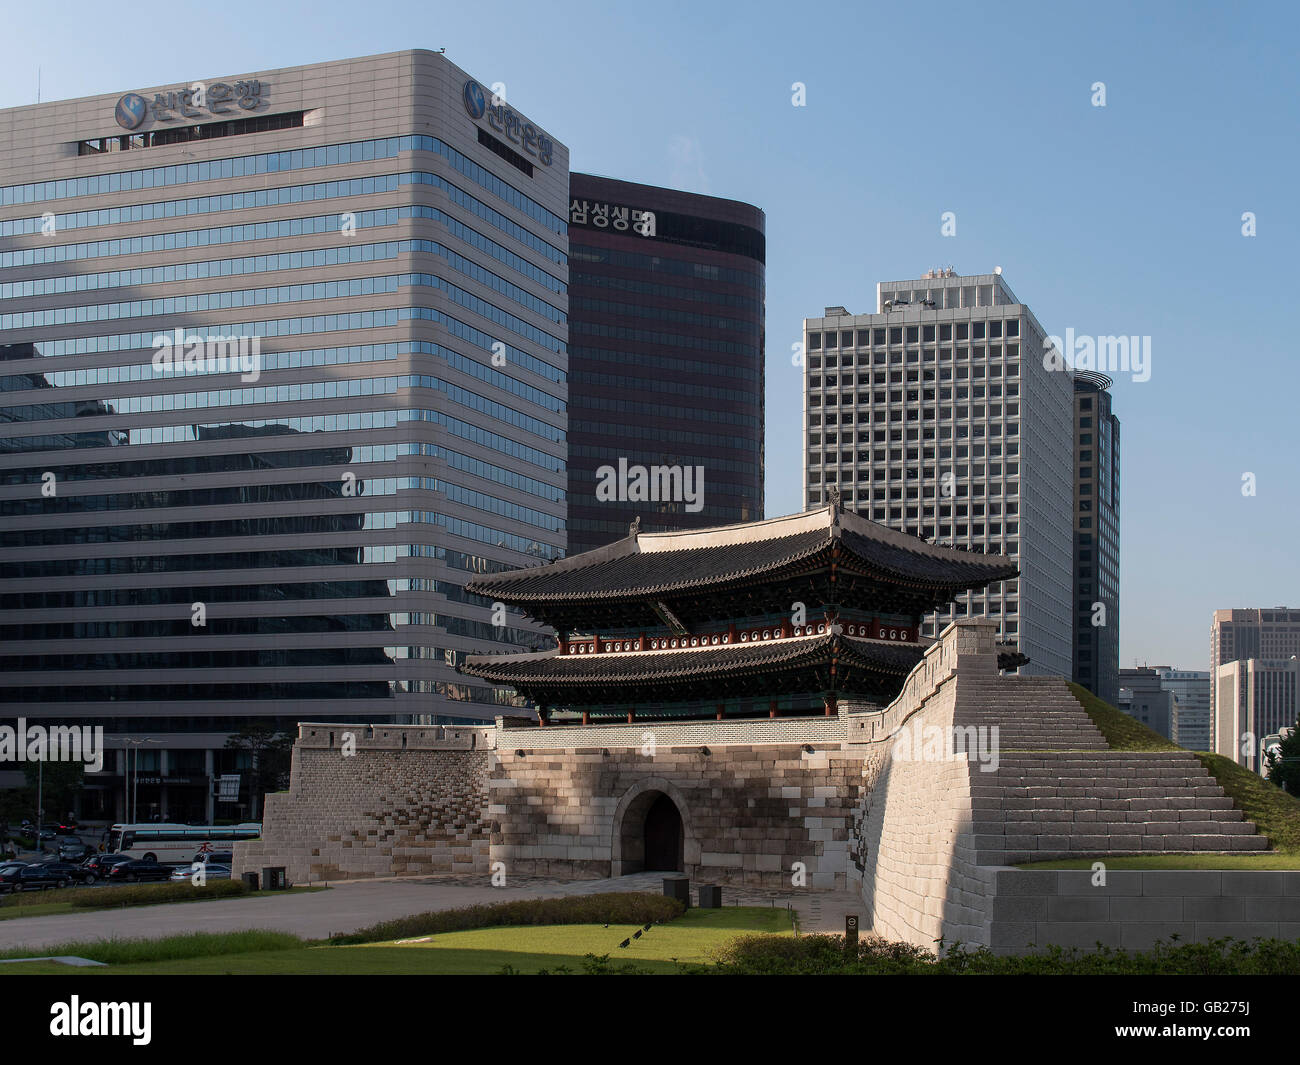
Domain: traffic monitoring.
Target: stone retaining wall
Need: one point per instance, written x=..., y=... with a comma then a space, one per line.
x=383, y=801
x=749, y=812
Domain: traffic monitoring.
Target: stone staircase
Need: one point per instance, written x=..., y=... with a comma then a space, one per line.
x=1060, y=791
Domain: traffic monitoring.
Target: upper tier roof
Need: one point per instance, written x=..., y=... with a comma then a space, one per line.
x=881, y=568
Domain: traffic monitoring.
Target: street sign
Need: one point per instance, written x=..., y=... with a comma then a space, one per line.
x=228, y=787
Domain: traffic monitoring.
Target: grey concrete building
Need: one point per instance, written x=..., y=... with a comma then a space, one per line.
x=1144, y=697
x=938, y=414
x=365, y=265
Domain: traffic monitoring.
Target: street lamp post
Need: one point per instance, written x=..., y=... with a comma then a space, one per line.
x=133, y=782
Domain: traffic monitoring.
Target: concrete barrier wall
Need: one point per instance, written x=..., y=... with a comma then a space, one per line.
x=1136, y=908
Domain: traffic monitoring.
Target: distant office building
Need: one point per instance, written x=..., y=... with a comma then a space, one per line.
x=1237, y=635
x=1254, y=698
x=1192, y=726
x=1096, y=537
x=666, y=318
x=357, y=273
x=1141, y=695
x=937, y=415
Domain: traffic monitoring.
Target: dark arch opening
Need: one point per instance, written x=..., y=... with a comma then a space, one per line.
x=662, y=836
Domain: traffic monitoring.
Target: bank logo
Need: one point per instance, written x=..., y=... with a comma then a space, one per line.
x=131, y=110
x=475, y=100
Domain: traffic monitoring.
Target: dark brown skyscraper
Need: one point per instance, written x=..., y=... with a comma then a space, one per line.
x=666, y=295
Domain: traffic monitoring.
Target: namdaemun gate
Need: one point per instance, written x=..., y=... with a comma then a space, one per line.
x=801, y=615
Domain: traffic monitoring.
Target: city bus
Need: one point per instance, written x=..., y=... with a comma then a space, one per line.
x=176, y=843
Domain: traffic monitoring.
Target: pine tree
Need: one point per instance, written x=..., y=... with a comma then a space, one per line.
x=1283, y=762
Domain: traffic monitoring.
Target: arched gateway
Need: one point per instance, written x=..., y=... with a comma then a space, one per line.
x=650, y=830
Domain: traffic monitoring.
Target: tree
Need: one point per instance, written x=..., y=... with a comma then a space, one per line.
x=1283, y=762
x=271, y=753
x=58, y=783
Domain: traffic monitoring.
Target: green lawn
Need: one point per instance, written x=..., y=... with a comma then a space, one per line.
x=38, y=904
x=690, y=938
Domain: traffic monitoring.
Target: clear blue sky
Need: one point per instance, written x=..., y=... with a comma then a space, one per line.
x=1115, y=220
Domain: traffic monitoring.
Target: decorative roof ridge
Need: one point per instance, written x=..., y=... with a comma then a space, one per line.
x=736, y=533
x=856, y=523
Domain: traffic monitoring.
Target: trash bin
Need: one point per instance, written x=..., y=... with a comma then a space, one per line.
x=251, y=880
x=678, y=887
x=711, y=898
x=273, y=878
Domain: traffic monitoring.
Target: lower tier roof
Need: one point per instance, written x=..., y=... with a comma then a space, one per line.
x=828, y=662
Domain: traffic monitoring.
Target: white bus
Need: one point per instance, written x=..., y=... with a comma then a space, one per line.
x=177, y=843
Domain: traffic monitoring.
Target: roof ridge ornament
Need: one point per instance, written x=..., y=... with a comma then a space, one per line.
x=833, y=498
x=634, y=527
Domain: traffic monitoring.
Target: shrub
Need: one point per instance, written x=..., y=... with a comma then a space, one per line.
x=822, y=954
x=609, y=908
x=148, y=894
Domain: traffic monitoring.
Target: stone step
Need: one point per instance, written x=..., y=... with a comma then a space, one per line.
x=1113, y=828
x=1221, y=806
x=1041, y=846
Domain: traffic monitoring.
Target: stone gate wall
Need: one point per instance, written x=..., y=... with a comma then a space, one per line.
x=369, y=801
x=749, y=811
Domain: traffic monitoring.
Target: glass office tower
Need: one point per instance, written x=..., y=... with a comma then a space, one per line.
x=284, y=363
x=667, y=313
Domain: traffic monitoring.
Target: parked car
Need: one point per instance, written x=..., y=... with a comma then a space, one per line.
x=211, y=871
x=97, y=866
x=69, y=870
x=15, y=876
x=74, y=851
x=220, y=857
x=138, y=869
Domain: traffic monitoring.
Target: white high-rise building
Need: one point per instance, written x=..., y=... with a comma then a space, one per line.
x=938, y=415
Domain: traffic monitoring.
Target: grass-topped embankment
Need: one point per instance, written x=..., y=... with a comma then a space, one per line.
x=1122, y=732
x=1275, y=813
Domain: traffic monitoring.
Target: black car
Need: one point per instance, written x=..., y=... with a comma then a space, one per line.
x=74, y=851
x=97, y=867
x=138, y=869
x=14, y=876
x=71, y=871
